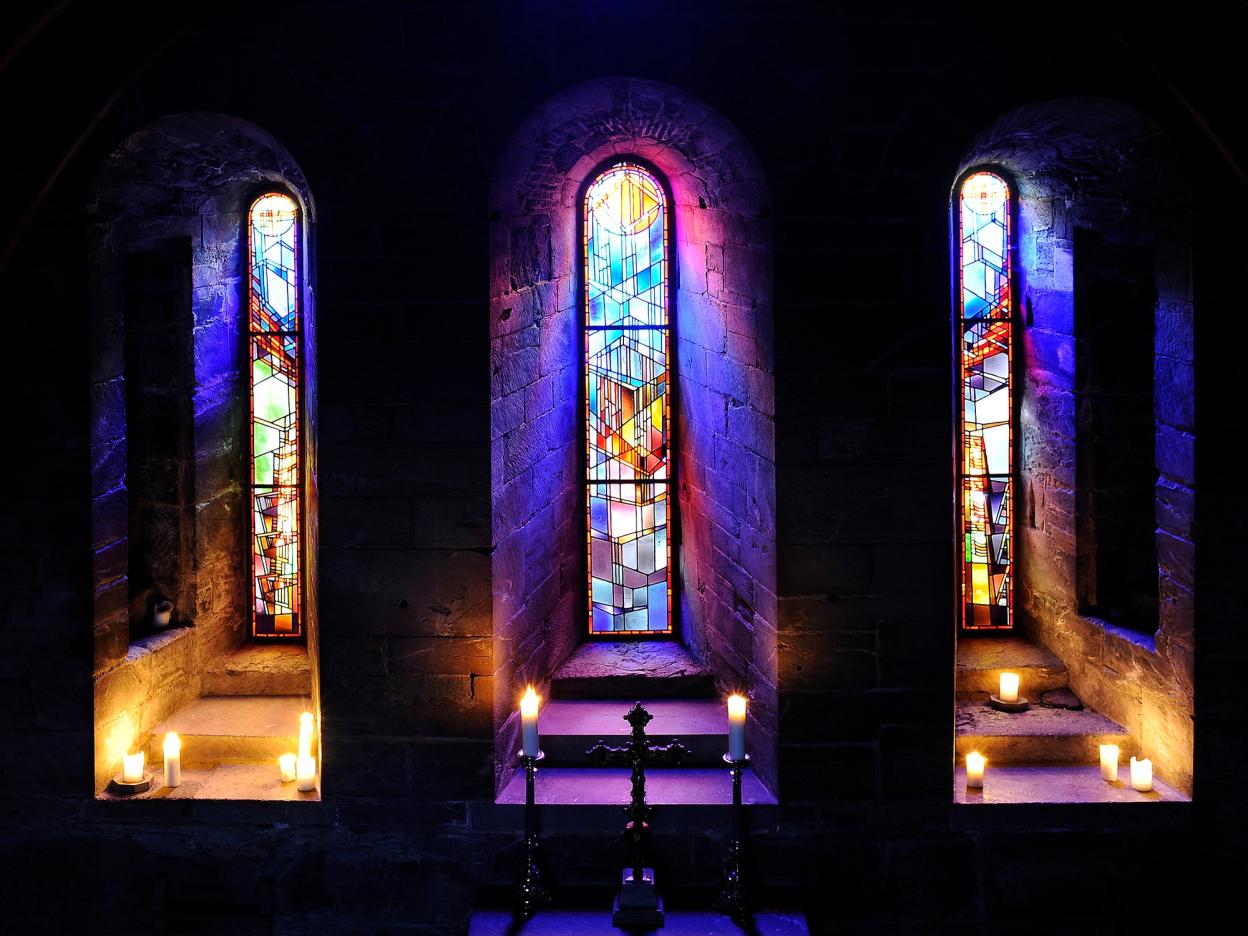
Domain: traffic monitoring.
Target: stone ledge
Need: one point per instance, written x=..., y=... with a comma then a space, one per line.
x=634, y=669
x=221, y=782
x=1039, y=735
x=676, y=923
x=261, y=669
x=232, y=729
x=982, y=660
x=570, y=726
x=1031, y=798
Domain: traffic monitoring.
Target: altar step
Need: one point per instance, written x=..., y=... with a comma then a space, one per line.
x=569, y=727
x=632, y=669
x=982, y=660
x=586, y=799
x=260, y=669
x=1039, y=735
x=598, y=923
x=234, y=729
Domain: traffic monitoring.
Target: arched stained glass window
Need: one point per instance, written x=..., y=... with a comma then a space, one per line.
x=627, y=403
x=273, y=249
x=986, y=462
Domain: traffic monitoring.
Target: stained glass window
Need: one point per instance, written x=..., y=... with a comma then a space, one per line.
x=273, y=250
x=986, y=463
x=627, y=403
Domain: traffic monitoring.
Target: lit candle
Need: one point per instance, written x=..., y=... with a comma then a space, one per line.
x=305, y=734
x=528, y=723
x=736, y=727
x=1142, y=774
x=286, y=764
x=1109, y=763
x=1009, y=687
x=132, y=767
x=975, y=770
x=305, y=774
x=173, y=759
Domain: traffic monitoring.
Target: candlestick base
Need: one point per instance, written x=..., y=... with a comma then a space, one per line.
x=531, y=893
x=637, y=903
x=125, y=788
x=733, y=900
x=1001, y=705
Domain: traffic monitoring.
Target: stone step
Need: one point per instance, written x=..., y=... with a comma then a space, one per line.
x=632, y=669
x=259, y=781
x=598, y=923
x=232, y=730
x=570, y=726
x=982, y=660
x=276, y=669
x=592, y=799
x=1082, y=784
x=1037, y=736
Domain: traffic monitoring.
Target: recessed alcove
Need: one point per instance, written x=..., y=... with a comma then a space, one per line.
x=722, y=444
x=1103, y=637
x=170, y=443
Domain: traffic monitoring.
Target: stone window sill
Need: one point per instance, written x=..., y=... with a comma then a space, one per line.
x=1135, y=638
x=1027, y=798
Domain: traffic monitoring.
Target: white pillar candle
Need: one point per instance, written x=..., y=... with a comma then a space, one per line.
x=305, y=734
x=286, y=764
x=528, y=723
x=305, y=774
x=736, y=727
x=1009, y=687
x=1142, y=774
x=1109, y=763
x=173, y=760
x=975, y=763
x=132, y=767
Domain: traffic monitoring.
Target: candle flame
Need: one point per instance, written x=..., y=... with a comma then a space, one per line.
x=975, y=761
x=736, y=706
x=528, y=705
x=173, y=744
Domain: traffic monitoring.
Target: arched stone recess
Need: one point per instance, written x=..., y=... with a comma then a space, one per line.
x=1093, y=176
x=724, y=413
x=168, y=220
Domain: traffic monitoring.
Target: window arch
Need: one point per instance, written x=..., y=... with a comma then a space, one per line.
x=985, y=324
x=274, y=389
x=627, y=402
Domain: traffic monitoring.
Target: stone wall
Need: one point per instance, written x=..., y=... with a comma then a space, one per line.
x=1096, y=166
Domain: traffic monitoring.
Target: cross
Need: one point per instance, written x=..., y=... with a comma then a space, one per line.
x=638, y=754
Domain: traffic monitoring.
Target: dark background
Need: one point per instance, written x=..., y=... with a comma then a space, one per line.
x=396, y=113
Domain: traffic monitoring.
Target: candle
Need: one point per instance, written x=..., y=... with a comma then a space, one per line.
x=1142, y=774
x=528, y=723
x=305, y=734
x=1109, y=763
x=173, y=759
x=305, y=774
x=132, y=767
x=286, y=764
x=736, y=727
x=1009, y=687
x=975, y=770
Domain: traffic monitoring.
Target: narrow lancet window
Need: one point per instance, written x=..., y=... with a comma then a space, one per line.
x=627, y=403
x=276, y=500
x=986, y=457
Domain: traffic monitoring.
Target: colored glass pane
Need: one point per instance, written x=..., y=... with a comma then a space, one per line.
x=627, y=403
x=986, y=463
x=273, y=314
